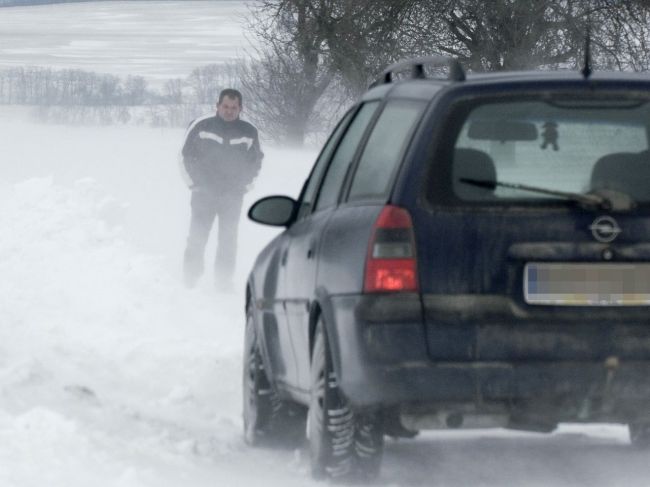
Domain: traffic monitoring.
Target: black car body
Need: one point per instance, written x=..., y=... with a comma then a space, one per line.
x=477, y=252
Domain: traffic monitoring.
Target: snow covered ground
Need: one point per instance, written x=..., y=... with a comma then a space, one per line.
x=113, y=374
x=161, y=40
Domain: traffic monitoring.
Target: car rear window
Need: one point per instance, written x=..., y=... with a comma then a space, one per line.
x=575, y=146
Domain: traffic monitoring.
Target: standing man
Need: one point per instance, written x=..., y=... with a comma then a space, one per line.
x=221, y=158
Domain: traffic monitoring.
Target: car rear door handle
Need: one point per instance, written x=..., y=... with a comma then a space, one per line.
x=283, y=260
x=310, y=253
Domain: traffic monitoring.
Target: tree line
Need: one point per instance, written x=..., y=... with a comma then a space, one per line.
x=78, y=96
x=45, y=86
x=84, y=97
x=312, y=49
x=315, y=57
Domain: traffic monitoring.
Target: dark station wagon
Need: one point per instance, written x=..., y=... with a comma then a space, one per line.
x=467, y=252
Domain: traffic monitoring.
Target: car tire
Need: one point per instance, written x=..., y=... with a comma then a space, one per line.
x=344, y=444
x=640, y=435
x=268, y=420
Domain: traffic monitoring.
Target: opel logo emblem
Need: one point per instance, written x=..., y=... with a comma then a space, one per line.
x=605, y=229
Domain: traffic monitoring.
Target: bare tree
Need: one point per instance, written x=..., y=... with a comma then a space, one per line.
x=280, y=96
x=622, y=36
x=309, y=44
x=290, y=73
x=361, y=37
x=134, y=90
x=497, y=35
x=203, y=83
x=173, y=91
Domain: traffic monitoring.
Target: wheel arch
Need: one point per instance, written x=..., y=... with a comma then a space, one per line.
x=321, y=309
x=314, y=316
x=248, y=296
x=259, y=331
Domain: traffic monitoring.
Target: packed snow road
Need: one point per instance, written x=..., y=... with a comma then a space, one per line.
x=113, y=374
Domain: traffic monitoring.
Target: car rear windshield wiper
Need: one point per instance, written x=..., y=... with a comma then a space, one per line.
x=585, y=199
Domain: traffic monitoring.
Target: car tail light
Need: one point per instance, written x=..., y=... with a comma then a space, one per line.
x=391, y=264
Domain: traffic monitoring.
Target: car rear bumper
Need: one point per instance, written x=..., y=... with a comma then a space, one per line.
x=380, y=354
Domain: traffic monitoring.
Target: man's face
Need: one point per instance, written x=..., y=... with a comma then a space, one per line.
x=229, y=109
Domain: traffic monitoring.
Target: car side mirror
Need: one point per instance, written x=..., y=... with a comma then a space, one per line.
x=277, y=211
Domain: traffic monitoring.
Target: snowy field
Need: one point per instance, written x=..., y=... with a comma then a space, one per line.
x=113, y=374
x=160, y=40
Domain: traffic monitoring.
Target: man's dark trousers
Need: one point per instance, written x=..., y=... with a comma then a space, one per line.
x=206, y=205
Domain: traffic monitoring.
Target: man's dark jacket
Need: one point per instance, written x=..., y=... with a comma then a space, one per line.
x=221, y=156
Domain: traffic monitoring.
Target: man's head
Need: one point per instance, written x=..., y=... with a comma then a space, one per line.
x=229, y=105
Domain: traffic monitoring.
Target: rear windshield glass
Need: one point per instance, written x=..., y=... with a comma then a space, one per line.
x=552, y=147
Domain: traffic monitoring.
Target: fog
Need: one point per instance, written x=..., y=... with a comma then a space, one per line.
x=111, y=372
x=161, y=40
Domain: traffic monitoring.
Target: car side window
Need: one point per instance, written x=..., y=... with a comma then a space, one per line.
x=331, y=187
x=384, y=148
x=309, y=193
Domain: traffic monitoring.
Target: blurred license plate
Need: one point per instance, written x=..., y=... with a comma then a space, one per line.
x=587, y=284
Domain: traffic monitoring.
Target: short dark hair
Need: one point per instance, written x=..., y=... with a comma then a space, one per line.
x=230, y=93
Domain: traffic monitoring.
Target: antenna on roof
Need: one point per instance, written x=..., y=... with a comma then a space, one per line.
x=586, y=68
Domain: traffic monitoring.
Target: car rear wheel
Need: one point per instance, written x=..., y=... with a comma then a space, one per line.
x=344, y=443
x=640, y=435
x=268, y=420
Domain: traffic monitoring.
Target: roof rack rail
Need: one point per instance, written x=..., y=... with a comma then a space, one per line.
x=456, y=71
